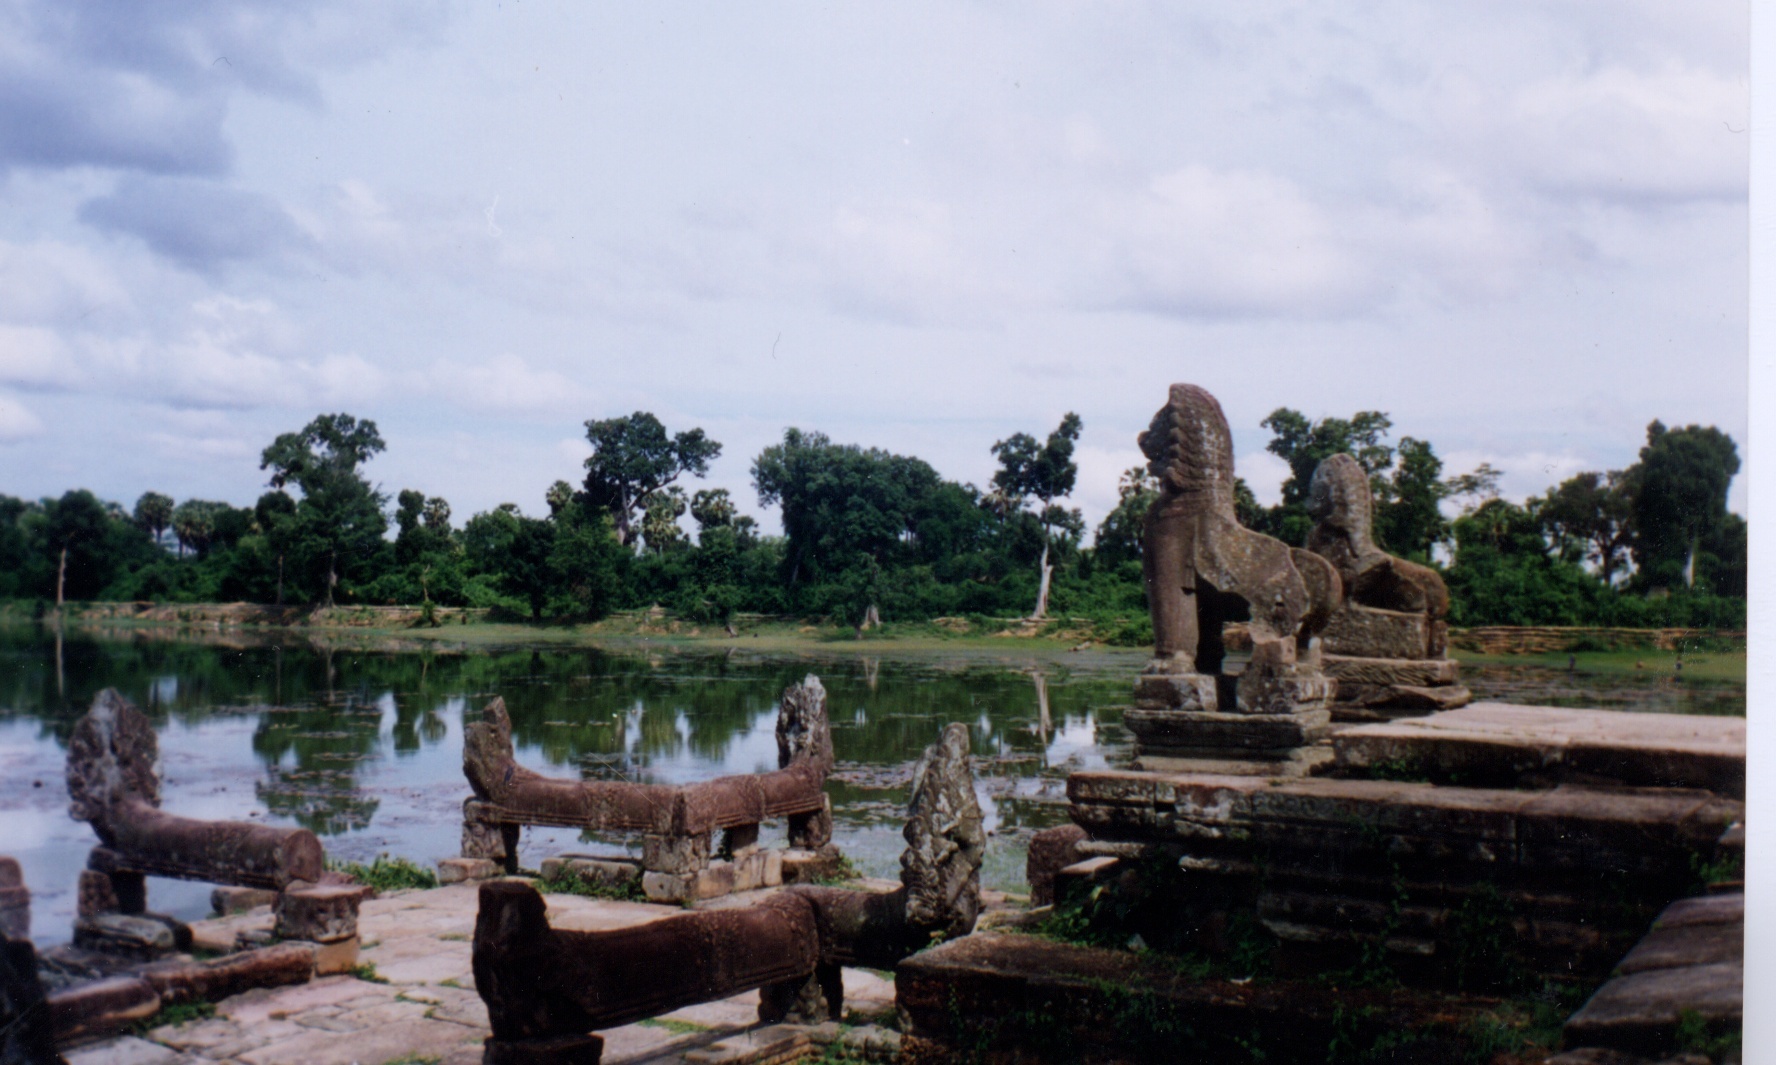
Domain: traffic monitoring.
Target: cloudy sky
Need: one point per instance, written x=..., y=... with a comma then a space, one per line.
x=1519, y=229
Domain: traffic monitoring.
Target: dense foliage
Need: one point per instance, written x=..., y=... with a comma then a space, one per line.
x=871, y=535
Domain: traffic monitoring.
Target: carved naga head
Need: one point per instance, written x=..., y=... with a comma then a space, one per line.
x=1338, y=502
x=1188, y=445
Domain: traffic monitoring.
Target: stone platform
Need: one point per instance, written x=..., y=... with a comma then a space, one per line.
x=996, y=998
x=417, y=1000
x=1502, y=745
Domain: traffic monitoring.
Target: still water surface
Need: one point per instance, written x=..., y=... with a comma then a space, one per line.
x=364, y=745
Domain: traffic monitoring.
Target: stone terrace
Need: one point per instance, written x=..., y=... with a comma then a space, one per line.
x=427, y=1010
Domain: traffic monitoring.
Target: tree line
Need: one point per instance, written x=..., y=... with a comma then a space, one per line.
x=870, y=535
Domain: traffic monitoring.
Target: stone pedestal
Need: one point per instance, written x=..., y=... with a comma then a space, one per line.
x=1266, y=721
x=15, y=901
x=1390, y=664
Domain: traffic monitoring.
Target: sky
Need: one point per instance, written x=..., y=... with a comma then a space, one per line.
x=1520, y=230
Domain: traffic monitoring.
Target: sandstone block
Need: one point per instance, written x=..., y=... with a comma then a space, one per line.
x=806, y=866
x=228, y=901
x=1195, y=692
x=337, y=956
x=1700, y=944
x=1639, y=1012
x=457, y=870
x=674, y=854
x=1293, y=690
x=773, y=867
x=1168, y=728
x=123, y=934
x=324, y=913
x=1369, y=632
x=101, y=1006
x=1051, y=850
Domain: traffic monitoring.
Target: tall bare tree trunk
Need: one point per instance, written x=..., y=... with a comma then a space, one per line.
x=61, y=577
x=332, y=575
x=1041, y=610
x=1690, y=565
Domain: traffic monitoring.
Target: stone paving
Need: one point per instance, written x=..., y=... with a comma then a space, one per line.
x=420, y=1004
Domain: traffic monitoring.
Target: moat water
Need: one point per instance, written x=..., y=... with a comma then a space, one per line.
x=363, y=744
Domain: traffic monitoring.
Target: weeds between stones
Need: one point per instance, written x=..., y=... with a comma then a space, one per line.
x=387, y=874
x=569, y=882
x=676, y=1027
x=177, y=1013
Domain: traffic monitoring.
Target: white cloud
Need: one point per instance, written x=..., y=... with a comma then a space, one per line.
x=16, y=421
x=1200, y=241
x=509, y=385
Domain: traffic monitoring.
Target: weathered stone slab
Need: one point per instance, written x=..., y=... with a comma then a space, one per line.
x=1671, y=947
x=125, y=934
x=1288, y=762
x=1425, y=672
x=1174, y=728
x=1500, y=743
x=219, y=978
x=1639, y=1013
x=458, y=870
x=1704, y=910
x=1369, y=632
x=228, y=901
x=101, y=1006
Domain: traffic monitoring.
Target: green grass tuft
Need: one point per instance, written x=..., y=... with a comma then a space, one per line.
x=387, y=874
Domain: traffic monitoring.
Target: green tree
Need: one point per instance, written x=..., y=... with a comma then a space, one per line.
x=1503, y=573
x=659, y=520
x=338, y=525
x=1591, y=516
x=848, y=512
x=1119, y=535
x=1680, y=499
x=193, y=525
x=75, y=528
x=586, y=560
x=1045, y=472
x=154, y=512
x=1410, y=520
x=632, y=458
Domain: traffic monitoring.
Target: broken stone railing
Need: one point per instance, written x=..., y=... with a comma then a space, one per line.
x=676, y=822
x=548, y=989
x=114, y=782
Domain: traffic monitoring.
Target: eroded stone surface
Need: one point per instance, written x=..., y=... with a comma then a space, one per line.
x=1051, y=850
x=940, y=867
x=1506, y=745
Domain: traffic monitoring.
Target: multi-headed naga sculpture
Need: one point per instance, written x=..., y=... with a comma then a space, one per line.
x=114, y=782
x=546, y=989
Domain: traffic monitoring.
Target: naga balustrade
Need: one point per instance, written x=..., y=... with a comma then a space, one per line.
x=548, y=989
x=676, y=821
x=114, y=783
